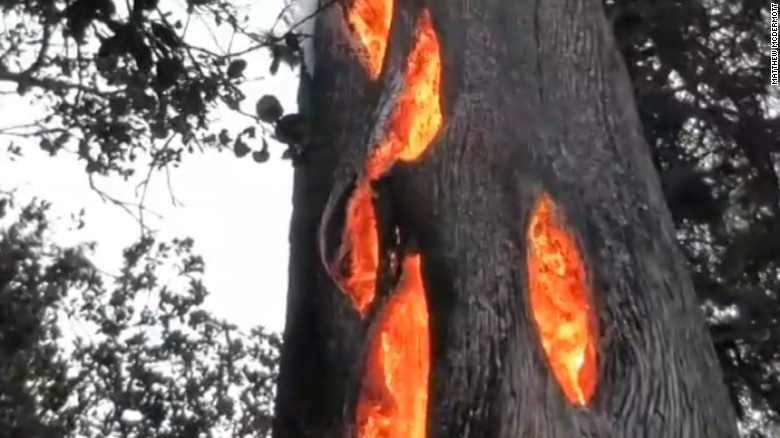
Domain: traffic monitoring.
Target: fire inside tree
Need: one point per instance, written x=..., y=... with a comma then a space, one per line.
x=394, y=392
x=522, y=279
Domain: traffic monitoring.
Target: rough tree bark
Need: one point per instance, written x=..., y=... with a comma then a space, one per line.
x=534, y=98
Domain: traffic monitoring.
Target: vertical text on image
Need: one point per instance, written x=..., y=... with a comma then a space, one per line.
x=773, y=46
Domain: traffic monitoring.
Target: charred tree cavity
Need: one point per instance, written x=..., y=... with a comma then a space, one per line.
x=348, y=100
x=532, y=106
x=561, y=302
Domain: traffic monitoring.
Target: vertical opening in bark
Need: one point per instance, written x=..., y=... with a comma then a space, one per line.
x=414, y=121
x=394, y=392
x=393, y=397
x=560, y=303
x=370, y=20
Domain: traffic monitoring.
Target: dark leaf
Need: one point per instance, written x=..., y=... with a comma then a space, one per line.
x=113, y=46
x=146, y=5
x=236, y=69
x=240, y=148
x=166, y=35
x=261, y=156
x=274, y=65
x=224, y=137
x=269, y=109
x=80, y=14
x=292, y=40
x=140, y=51
x=193, y=103
x=291, y=129
x=168, y=72
x=159, y=129
x=250, y=131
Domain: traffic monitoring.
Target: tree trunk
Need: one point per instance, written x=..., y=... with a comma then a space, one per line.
x=535, y=99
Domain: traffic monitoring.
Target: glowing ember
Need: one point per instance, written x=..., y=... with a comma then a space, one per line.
x=559, y=301
x=417, y=115
x=413, y=124
x=394, y=392
x=370, y=19
x=363, y=242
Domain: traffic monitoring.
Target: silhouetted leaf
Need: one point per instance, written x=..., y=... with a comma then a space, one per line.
x=269, y=109
x=291, y=129
x=274, y=68
x=146, y=5
x=168, y=72
x=166, y=35
x=240, y=148
x=262, y=155
x=236, y=69
x=249, y=131
x=224, y=137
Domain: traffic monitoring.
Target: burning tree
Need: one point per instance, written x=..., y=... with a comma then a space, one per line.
x=495, y=257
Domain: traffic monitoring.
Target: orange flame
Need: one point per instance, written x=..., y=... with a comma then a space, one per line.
x=413, y=123
x=394, y=393
x=370, y=20
x=560, y=305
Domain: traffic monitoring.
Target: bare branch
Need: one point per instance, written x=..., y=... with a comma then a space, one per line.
x=126, y=206
x=148, y=178
x=48, y=24
x=51, y=84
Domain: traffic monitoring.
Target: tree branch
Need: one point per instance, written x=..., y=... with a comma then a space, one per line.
x=105, y=197
x=25, y=80
x=48, y=24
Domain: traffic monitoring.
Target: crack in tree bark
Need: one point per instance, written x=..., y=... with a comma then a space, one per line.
x=540, y=75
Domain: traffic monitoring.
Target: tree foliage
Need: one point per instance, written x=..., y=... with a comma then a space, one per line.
x=85, y=354
x=701, y=76
x=121, y=83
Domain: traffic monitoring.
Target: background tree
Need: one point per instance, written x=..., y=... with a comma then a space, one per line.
x=701, y=77
x=85, y=354
x=126, y=90
x=121, y=82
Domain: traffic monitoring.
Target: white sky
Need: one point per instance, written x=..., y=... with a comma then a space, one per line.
x=237, y=211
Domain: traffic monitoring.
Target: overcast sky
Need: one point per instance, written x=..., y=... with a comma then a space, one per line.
x=237, y=211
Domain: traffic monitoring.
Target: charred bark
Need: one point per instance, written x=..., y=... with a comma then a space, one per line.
x=535, y=98
x=322, y=333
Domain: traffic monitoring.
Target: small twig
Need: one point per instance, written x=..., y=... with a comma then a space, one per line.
x=217, y=56
x=42, y=132
x=230, y=43
x=186, y=25
x=280, y=15
x=211, y=33
x=23, y=126
x=145, y=184
x=47, y=32
x=187, y=47
x=148, y=178
x=105, y=197
x=50, y=83
x=174, y=201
